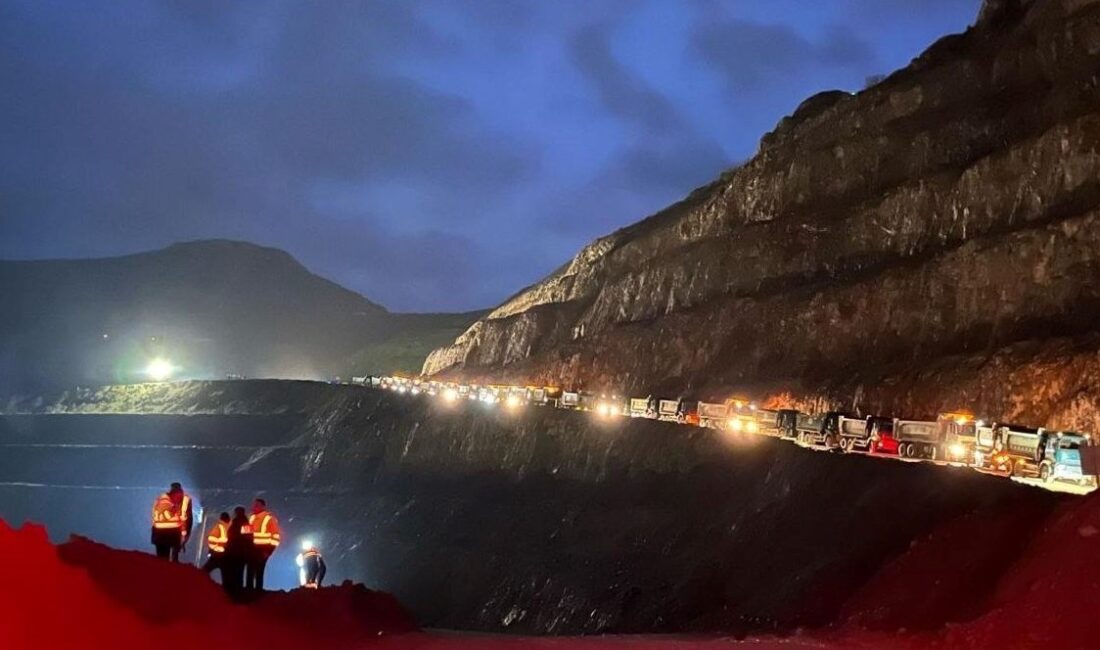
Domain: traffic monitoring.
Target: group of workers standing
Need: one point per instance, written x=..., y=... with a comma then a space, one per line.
x=239, y=546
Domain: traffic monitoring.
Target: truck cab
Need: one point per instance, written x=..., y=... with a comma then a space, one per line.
x=786, y=422
x=880, y=435
x=819, y=430
x=1063, y=459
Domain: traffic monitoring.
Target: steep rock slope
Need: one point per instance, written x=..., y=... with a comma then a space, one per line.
x=952, y=209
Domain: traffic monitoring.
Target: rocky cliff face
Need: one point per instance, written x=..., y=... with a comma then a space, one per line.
x=944, y=216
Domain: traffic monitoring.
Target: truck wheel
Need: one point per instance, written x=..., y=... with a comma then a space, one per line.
x=903, y=450
x=1045, y=473
x=931, y=453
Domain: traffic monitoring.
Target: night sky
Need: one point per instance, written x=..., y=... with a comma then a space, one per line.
x=434, y=155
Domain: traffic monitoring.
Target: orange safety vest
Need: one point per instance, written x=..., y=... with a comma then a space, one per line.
x=218, y=537
x=265, y=529
x=165, y=514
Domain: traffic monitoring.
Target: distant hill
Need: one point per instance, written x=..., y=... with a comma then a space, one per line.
x=210, y=308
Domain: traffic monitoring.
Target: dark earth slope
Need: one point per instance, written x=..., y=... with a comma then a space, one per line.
x=540, y=521
x=934, y=220
x=210, y=307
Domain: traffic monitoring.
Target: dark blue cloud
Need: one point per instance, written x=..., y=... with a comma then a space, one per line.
x=432, y=154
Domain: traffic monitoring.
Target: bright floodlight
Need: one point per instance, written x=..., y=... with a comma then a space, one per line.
x=159, y=369
x=307, y=544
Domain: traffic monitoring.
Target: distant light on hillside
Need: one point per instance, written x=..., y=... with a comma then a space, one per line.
x=159, y=369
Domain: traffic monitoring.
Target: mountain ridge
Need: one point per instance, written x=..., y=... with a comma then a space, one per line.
x=211, y=307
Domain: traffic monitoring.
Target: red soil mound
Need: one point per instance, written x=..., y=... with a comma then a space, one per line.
x=86, y=595
x=1020, y=580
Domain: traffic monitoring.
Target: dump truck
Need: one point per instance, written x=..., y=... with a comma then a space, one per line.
x=684, y=411
x=643, y=407
x=535, y=395
x=1069, y=456
x=667, y=410
x=1035, y=452
x=713, y=415
x=854, y=433
x=950, y=437
x=767, y=421
x=818, y=430
x=1012, y=449
x=570, y=400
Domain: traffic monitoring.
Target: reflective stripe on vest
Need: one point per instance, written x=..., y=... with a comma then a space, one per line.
x=260, y=534
x=163, y=515
x=218, y=537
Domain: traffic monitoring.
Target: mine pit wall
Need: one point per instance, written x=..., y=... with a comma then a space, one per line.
x=949, y=211
x=541, y=521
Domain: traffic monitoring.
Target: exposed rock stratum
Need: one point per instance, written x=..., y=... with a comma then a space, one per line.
x=928, y=242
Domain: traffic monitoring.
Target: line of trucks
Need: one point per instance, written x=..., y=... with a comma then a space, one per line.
x=956, y=438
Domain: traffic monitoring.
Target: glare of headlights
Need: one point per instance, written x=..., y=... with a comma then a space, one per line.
x=512, y=401
x=450, y=394
x=957, y=450
x=735, y=424
x=752, y=427
x=159, y=369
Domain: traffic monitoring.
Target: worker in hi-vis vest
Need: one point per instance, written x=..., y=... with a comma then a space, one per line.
x=215, y=543
x=265, y=539
x=172, y=520
x=311, y=566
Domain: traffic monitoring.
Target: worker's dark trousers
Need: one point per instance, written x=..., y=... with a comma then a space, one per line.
x=255, y=576
x=232, y=570
x=215, y=561
x=167, y=544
